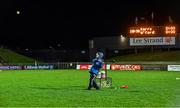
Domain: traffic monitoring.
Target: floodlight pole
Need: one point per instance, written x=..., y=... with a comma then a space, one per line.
x=152, y=17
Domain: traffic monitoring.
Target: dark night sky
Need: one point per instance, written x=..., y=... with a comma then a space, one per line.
x=71, y=24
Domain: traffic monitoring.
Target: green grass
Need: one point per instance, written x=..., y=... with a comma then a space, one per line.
x=67, y=88
x=149, y=56
x=12, y=57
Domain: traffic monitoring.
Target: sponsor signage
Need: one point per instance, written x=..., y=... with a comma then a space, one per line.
x=125, y=67
x=85, y=66
x=173, y=67
x=39, y=67
x=10, y=67
x=152, y=41
x=88, y=66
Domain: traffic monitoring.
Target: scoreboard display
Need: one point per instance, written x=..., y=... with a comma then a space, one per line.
x=153, y=31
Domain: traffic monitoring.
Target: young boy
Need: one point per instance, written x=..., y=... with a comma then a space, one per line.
x=97, y=64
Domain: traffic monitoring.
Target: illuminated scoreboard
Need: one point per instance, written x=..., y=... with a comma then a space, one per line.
x=153, y=31
x=152, y=35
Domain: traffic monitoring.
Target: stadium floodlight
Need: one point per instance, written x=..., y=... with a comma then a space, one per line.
x=122, y=38
x=18, y=12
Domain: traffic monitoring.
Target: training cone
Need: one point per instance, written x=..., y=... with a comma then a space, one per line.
x=124, y=86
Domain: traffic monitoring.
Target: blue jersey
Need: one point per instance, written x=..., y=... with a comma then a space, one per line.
x=97, y=64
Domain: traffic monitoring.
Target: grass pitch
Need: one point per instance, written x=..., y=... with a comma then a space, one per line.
x=67, y=88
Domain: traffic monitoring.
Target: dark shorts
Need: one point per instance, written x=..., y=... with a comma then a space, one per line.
x=92, y=74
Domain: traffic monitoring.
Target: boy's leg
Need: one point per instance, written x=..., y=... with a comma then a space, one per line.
x=91, y=80
x=95, y=84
